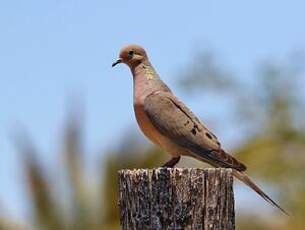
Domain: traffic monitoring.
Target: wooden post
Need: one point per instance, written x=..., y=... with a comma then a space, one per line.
x=178, y=198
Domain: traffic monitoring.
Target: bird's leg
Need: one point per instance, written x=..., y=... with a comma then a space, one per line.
x=172, y=162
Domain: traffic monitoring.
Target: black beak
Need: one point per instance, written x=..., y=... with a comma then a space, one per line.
x=116, y=62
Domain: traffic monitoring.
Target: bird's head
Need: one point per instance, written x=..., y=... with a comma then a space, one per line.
x=131, y=55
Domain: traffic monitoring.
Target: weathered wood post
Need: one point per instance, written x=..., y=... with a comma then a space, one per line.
x=178, y=198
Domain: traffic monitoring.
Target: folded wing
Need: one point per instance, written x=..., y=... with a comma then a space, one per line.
x=175, y=121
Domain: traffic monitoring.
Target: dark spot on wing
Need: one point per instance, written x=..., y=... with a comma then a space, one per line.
x=209, y=136
x=193, y=131
x=197, y=127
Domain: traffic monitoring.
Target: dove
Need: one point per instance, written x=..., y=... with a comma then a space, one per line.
x=171, y=125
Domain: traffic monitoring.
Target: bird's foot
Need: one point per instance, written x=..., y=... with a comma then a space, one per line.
x=172, y=162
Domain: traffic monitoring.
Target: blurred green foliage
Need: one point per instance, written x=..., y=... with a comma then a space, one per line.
x=269, y=104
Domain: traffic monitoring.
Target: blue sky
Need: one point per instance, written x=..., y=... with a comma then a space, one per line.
x=52, y=50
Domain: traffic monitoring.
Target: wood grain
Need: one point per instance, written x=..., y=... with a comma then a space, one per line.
x=178, y=198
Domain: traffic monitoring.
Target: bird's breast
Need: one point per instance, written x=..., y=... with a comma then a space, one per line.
x=154, y=135
x=145, y=125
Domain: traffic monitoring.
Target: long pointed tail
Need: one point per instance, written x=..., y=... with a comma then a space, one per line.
x=244, y=178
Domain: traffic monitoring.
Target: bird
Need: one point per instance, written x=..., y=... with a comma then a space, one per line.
x=170, y=124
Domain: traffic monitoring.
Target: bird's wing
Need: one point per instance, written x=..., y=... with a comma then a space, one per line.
x=175, y=121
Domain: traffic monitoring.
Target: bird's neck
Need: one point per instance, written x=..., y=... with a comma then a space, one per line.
x=145, y=82
x=144, y=69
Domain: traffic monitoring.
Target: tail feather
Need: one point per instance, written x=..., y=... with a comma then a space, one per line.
x=244, y=178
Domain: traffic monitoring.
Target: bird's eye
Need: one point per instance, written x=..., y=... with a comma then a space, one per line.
x=130, y=52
